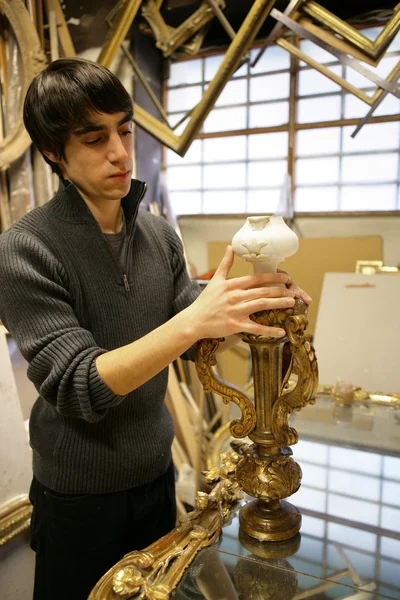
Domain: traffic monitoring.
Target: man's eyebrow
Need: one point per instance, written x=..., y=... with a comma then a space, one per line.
x=91, y=127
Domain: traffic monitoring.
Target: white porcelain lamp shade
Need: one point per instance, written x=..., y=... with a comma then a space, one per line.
x=265, y=241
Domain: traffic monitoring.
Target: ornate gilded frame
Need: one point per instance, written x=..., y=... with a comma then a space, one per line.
x=33, y=61
x=239, y=46
x=15, y=517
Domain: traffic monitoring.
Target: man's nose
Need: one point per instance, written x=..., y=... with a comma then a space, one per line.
x=116, y=151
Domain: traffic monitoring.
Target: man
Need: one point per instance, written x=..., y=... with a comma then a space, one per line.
x=97, y=297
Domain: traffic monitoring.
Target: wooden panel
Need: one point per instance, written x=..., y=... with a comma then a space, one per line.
x=315, y=257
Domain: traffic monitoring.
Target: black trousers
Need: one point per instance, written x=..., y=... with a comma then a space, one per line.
x=78, y=538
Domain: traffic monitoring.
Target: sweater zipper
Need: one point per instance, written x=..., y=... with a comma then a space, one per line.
x=127, y=245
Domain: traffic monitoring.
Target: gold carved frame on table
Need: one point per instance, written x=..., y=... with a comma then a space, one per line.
x=15, y=517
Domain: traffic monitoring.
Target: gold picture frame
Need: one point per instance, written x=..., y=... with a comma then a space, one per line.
x=374, y=49
x=238, y=47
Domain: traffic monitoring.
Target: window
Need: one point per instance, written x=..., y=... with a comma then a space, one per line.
x=246, y=172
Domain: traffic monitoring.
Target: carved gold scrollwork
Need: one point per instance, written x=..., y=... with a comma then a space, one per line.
x=205, y=360
x=304, y=365
x=269, y=479
x=153, y=573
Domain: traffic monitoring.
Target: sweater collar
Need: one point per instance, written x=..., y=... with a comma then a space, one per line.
x=69, y=205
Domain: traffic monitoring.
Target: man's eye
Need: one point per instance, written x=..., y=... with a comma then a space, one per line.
x=92, y=142
x=127, y=132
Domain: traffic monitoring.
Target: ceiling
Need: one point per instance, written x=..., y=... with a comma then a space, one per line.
x=91, y=29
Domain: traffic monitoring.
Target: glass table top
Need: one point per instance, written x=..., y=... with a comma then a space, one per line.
x=349, y=543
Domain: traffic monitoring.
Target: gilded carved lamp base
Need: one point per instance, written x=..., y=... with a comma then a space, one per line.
x=272, y=521
x=265, y=469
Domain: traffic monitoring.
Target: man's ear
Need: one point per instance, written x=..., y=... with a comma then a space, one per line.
x=51, y=156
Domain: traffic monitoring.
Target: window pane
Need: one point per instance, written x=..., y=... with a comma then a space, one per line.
x=225, y=148
x=226, y=119
x=316, y=52
x=231, y=175
x=187, y=71
x=273, y=59
x=317, y=199
x=270, y=87
x=235, y=92
x=383, y=69
x=355, y=108
x=312, y=110
x=369, y=167
x=174, y=119
x=185, y=203
x=373, y=136
x=183, y=98
x=372, y=197
x=193, y=155
x=317, y=170
x=224, y=202
x=268, y=145
x=356, y=460
x=184, y=178
x=267, y=174
x=313, y=82
x=268, y=115
x=318, y=141
x=390, y=547
x=263, y=202
x=211, y=66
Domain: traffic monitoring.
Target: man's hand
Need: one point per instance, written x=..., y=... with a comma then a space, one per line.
x=225, y=306
x=295, y=288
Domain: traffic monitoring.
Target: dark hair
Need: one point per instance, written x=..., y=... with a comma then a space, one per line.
x=62, y=96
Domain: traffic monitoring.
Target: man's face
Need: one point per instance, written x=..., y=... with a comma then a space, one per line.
x=98, y=157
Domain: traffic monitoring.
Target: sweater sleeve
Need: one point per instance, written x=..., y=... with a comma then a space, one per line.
x=186, y=290
x=36, y=308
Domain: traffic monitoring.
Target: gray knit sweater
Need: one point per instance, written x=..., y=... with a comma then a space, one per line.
x=65, y=300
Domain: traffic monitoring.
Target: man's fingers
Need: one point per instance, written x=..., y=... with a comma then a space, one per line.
x=256, y=329
x=251, y=281
x=267, y=304
x=225, y=264
x=269, y=292
x=299, y=292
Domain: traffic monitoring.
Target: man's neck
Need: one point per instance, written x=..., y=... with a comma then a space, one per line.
x=107, y=213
